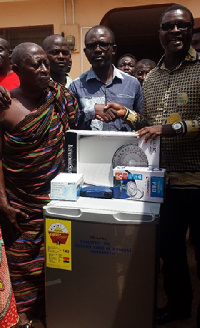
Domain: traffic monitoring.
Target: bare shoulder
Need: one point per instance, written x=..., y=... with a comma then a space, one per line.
x=11, y=116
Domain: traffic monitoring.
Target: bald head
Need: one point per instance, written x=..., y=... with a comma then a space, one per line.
x=31, y=64
x=23, y=51
x=53, y=39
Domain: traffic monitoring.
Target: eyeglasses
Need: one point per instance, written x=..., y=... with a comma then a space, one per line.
x=103, y=45
x=182, y=26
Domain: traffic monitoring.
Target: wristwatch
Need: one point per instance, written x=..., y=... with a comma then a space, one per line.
x=177, y=127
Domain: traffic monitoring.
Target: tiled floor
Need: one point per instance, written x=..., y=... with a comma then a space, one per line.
x=189, y=323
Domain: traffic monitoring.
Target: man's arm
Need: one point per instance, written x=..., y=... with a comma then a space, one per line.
x=132, y=116
x=108, y=112
x=9, y=213
x=189, y=127
x=90, y=108
x=114, y=110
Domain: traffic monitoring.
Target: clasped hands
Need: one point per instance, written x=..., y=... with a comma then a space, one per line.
x=109, y=112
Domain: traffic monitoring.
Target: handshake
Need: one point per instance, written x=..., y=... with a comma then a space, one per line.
x=109, y=112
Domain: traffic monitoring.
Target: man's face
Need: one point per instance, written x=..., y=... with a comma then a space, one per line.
x=127, y=65
x=99, y=48
x=196, y=41
x=141, y=72
x=176, y=31
x=4, y=54
x=34, y=73
x=59, y=55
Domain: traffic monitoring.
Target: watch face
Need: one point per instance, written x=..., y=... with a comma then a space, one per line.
x=129, y=155
x=176, y=126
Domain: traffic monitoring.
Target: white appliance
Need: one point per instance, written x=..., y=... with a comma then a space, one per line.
x=101, y=259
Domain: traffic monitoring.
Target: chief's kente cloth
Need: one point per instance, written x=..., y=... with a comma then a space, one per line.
x=32, y=156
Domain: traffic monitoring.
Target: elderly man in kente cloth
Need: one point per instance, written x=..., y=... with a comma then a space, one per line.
x=32, y=132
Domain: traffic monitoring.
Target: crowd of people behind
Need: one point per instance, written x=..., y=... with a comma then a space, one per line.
x=155, y=99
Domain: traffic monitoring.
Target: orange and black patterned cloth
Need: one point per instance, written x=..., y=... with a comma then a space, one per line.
x=33, y=154
x=174, y=96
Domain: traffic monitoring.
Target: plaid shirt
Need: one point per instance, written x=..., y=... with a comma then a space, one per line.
x=174, y=96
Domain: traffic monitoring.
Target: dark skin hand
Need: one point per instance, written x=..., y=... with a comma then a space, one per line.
x=13, y=215
x=109, y=112
x=5, y=99
x=154, y=131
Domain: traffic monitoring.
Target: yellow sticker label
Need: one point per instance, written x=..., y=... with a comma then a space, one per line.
x=58, y=244
x=173, y=118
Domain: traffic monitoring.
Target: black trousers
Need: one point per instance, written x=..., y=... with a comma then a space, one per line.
x=179, y=211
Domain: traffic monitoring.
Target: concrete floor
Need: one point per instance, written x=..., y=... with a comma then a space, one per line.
x=161, y=298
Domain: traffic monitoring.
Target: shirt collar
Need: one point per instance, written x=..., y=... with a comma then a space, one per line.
x=66, y=75
x=116, y=74
x=191, y=56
